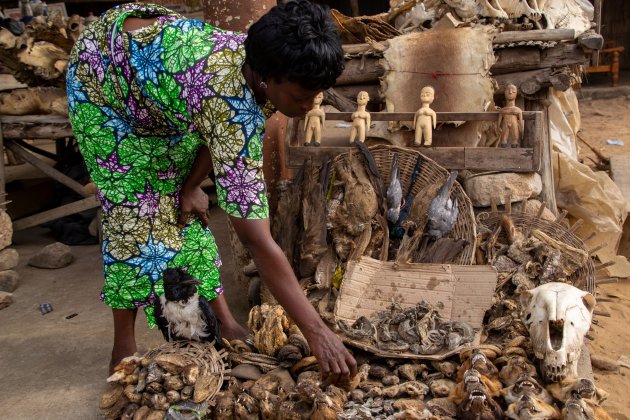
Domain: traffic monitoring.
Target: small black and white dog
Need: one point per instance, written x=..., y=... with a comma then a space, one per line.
x=181, y=314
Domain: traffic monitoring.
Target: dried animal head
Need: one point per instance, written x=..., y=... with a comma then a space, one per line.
x=580, y=388
x=583, y=409
x=516, y=367
x=478, y=405
x=530, y=408
x=526, y=385
x=558, y=316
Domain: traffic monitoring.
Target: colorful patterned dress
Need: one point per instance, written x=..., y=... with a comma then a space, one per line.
x=141, y=104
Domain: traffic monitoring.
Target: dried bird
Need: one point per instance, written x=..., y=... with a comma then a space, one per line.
x=443, y=210
x=181, y=314
x=399, y=230
x=394, y=192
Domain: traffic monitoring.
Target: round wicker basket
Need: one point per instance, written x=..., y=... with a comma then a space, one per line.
x=204, y=355
x=583, y=278
x=430, y=173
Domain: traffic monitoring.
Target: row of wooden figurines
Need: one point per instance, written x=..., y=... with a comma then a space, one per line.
x=510, y=120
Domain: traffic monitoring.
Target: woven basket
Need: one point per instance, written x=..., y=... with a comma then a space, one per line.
x=583, y=278
x=204, y=355
x=430, y=173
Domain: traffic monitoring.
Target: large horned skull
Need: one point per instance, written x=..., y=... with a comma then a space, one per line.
x=558, y=316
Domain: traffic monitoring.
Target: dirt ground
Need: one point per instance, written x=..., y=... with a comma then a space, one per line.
x=53, y=366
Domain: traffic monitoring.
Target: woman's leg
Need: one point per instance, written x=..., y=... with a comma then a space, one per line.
x=230, y=329
x=124, y=335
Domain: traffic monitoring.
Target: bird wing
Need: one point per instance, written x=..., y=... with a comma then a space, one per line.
x=161, y=321
x=212, y=322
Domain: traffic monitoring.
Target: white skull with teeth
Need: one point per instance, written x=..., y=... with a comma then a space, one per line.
x=558, y=316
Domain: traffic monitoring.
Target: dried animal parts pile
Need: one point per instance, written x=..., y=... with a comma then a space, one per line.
x=174, y=378
x=419, y=330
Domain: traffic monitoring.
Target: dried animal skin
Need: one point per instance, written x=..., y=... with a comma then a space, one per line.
x=390, y=380
x=173, y=383
x=186, y=392
x=113, y=394
x=403, y=404
x=271, y=336
x=159, y=402
x=190, y=373
x=114, y=411
x=128, y=364
x=325, y=408
x=409, y=371
x=130, y=411
x=356, y=395
x=530, y=408
x=313, y=239
x=142, y=413
x=245, y=407
x=207, y=384
x=154, y=388
x=288, y=355
x=268, y=406
x=441, y=387
x=442, y=407
x=156, y=415
x=224, y=405
x=172, y=363
x=361, y=329
x=173, y=397
x=446, y=368
x=266, y=384
x=294, y=410
x=154, y=373
x=131, y=394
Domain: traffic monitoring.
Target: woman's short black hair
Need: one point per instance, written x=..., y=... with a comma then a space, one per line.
x=297, y=41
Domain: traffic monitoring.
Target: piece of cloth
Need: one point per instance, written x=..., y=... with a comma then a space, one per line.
x=141, y=105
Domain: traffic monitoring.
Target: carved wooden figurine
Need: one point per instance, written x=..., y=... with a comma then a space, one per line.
x=511, y=119
x=361, y=119
x=314, y=122
x=424, y=121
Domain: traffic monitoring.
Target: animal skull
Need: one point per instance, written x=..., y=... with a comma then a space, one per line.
x=558, y=316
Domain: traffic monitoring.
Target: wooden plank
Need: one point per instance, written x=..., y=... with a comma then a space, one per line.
x=481, y=158
x=620, y=174
x=440, y=116
x=519, y=59
x=54, y=214
x=535, y=35
x=37, y=131
x=45, y=168
x=37, y=119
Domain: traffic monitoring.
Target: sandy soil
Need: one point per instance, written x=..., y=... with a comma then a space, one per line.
x=53, y=366
x=602, y=120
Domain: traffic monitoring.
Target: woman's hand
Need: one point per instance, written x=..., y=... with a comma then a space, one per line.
x=335, y=361
x=193, y=200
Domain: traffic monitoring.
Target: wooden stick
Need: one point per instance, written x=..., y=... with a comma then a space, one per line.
x=42, y=166
x=594, y=150
x=606, y=281
x=600, y=312
x=65, y=210
x=561, y=216
x=508, y=202
x=535, y=35
x=604, y=265
x=493, y=204
x=597, y=248
x=541, y=210
x=589, y=237
x=576, y=225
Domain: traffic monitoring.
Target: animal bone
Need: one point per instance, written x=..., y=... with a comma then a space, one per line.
x=558, y=316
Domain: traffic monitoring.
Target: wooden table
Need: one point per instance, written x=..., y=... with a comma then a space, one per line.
x=13, y=129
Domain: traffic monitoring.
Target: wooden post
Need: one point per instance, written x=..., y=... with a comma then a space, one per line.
x=598, y=27
x=3, y=178
x=235, y=15
x=548, y=194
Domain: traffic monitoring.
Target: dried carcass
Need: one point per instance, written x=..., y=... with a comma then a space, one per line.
x=532, y=408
